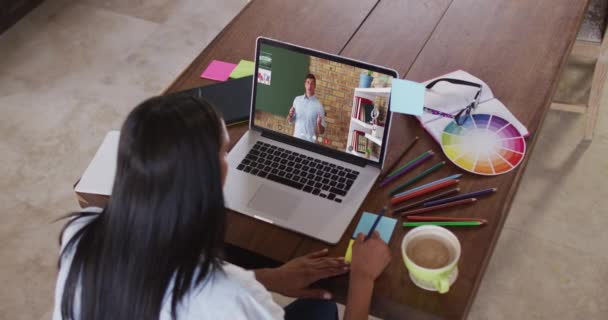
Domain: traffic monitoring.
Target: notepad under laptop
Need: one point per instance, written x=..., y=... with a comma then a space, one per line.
x=451, y=98
x=231, y=98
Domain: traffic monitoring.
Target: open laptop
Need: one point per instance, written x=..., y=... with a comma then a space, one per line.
x=316, y=142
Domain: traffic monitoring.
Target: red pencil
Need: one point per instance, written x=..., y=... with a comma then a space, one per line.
x=425, y=218
x=429, y=189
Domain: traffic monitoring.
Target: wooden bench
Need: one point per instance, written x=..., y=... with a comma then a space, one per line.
x=591, y=43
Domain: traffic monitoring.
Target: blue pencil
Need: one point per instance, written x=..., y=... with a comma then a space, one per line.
x=455, y=176
x=371, y=231
x=460, y=197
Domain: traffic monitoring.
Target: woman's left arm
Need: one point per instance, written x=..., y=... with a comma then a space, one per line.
x=293, y=279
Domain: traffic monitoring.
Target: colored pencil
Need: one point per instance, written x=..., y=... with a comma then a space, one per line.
x=424, y=191
x=454, y=176
x=444, y=223
x=371, y=230
x=426, y=218
x=418, y=177
x=407, y=169
x=407, y=164
x=390, y=169
x=460, y=197
x=435, y=197
x=441, y=206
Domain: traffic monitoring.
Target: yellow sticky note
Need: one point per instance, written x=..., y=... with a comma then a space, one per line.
x=243, y=69
x=348, y=257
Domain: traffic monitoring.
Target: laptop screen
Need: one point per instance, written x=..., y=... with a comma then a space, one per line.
x=324, y=100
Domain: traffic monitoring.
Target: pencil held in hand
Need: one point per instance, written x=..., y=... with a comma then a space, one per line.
x=371, y=230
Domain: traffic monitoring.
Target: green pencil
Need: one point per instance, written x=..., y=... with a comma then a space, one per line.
x=418, y=177
x=443, y=223
x=396, y=171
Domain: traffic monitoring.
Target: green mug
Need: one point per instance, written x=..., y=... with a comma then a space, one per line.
x=433, y=279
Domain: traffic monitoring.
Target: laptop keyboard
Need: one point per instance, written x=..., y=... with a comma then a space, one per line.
x=320, y=178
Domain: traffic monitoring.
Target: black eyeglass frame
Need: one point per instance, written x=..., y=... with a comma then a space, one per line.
x=463, y=114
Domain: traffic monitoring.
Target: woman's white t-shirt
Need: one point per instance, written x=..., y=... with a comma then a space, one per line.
x=231, y=294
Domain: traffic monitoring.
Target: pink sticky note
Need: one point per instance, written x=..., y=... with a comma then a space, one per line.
x=218, y=70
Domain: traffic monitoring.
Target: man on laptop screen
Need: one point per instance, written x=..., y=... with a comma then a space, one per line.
x=333, y=112
x=307, y=112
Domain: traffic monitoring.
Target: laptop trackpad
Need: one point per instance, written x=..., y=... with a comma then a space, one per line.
x=274, y=201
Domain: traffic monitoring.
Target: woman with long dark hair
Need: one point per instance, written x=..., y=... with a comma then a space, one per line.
x=155, y=251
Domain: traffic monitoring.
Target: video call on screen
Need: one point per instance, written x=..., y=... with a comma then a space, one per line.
x=332, y=104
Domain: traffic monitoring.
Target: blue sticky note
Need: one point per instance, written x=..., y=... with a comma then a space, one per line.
x=407, y=97
x=385, y=226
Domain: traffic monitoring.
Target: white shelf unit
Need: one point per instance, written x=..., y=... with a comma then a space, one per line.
x=373, y=91
x=356, y=124
x=373, y=139
x=360, y=155
x=361, y=125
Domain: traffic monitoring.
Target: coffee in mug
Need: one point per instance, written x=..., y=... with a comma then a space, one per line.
x=429, y=252
x=431, y=255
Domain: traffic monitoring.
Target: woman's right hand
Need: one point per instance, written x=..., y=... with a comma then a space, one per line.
x=370, y=257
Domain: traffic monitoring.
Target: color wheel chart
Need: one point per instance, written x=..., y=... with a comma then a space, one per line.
x=485, y=144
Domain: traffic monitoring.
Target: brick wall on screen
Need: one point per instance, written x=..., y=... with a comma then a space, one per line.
x=336, y=85
x=335, y=88
x=274, y=122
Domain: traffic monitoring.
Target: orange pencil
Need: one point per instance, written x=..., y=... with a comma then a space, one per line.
x=426, y=218
x=440, y=206
x=447, y=183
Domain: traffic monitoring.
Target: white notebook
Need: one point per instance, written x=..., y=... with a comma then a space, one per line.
x=98, y=178
x=451, y=98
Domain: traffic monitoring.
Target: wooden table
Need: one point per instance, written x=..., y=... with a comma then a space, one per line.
x=518, y=47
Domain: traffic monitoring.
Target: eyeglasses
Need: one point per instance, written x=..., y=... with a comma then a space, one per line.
x=463, y=114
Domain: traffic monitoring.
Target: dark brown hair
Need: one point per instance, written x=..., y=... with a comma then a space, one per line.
x=165, y=221
x=311, y=76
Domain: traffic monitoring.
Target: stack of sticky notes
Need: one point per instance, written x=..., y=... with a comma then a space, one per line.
x=221, y=70
x=407, y=97
x=385, y=228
